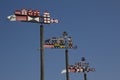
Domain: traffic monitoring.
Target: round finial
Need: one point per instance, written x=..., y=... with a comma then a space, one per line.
x=65, y=33
x=83, y=59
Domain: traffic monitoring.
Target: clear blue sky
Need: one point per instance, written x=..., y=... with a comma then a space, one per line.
x=93, y=24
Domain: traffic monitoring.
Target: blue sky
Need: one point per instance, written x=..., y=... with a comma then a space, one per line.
x=93, y=24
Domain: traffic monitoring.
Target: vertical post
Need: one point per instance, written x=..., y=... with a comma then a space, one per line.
x=66, y=55
x=85, y=76
x=42, y=52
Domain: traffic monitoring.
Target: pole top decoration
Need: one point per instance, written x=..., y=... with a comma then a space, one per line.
x=33, y=16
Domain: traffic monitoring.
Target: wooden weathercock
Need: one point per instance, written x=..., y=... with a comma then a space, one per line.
x=62, y=42
x=81, y=66
x=34, y=16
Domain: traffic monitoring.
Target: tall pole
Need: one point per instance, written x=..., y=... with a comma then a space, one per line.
x=66, y=55
x=42, y=51
x=85, y=76
x=65, y=35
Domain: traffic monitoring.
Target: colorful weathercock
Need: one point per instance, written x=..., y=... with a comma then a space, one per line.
x=32, y=16
x=81, y=66
x=59, y=42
